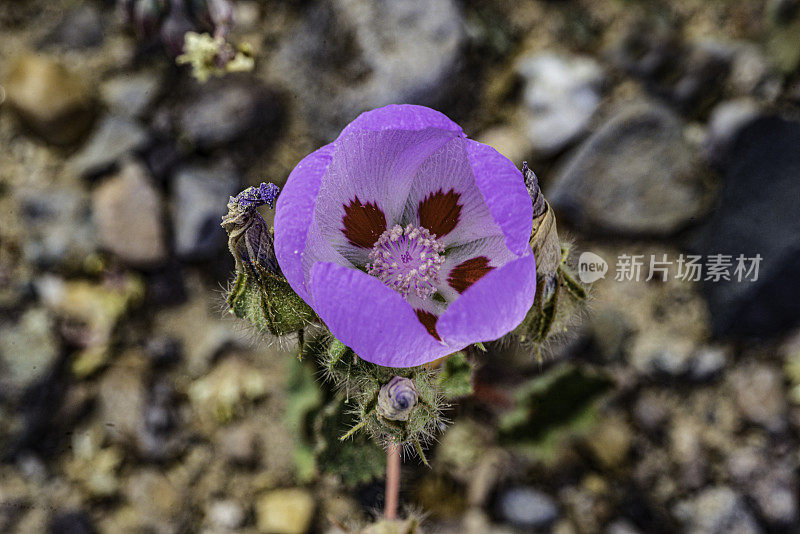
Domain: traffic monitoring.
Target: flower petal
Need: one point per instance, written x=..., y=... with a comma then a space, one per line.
x=407, y=117
x=373, y=320
x=294, y=214
x=462, y=264
x=503, y=188
x=365, y=188
x=491, y=307
x=445, y=199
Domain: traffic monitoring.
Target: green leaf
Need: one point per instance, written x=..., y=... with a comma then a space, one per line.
x=455, y=378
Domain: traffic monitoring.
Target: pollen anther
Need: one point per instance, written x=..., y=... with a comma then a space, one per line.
x=407, y=260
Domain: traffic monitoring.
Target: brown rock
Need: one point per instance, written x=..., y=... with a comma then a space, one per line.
x=49, y=99
x=128, y=216
x=285, y=511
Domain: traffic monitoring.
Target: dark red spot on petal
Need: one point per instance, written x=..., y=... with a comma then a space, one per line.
x=363, y=223
x=439, y=212
x=428, y=320
x=467, y=273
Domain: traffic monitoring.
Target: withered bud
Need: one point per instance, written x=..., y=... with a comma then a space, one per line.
x=249, y=238
x=532, y=184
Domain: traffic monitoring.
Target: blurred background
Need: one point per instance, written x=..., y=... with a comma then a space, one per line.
x=131, y=402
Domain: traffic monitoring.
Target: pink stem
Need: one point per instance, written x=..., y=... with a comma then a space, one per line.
x=392, y=480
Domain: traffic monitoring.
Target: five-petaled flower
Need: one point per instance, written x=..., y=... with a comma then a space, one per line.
x=409, y=240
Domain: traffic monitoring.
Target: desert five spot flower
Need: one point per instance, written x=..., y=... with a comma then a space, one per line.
x=408, y=239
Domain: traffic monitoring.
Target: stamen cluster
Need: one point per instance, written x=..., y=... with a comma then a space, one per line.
x=407, y=259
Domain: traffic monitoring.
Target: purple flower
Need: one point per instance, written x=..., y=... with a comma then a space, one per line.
x=408, y=239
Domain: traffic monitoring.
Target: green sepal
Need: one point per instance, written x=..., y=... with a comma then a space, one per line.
x=269, y=303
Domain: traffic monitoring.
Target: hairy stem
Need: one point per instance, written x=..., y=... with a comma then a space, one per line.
x=392, y=480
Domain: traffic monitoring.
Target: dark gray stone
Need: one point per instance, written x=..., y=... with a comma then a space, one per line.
x=365, y=54
x=224, y=111
x=131, y=94
x=635, y=175
x=58, y=227
x=757, y=214
x=79, y=28
x=112, y=139
x=200, y=197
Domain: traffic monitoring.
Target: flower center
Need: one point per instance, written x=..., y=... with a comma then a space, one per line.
x=407, y=259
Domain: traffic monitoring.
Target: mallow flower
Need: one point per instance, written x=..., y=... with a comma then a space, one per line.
x=409, y=240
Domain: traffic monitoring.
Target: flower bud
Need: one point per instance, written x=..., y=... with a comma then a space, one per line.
x=397, y=398
x=260, y=293
x=532, y=185
x=544, y=234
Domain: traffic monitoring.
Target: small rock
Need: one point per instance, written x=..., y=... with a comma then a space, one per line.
x=27, y=350
x=752, y=73
x=71, y=523
x=161, y=439
x=610, y=443
x=79, y=28
x=622, y=526
x=364, y=55
x=127, y=209
x=726, y=121
x=239, y=444
x=756, y=217
x=758, y=391
x=686, y=448
x=708, y=362
x=662, y=353
x=285, y=511
x=610, y=331
x=229, y=386
x=159, y=504
x=198, y=327
x=561, y=95
x=224, y=111
x=718, y=510
x=58, y=227
x=114, y=138
x=636, y=175
x=774, y=491
x=777, y=501
x=651, y=412
x=122, y=398
x=685, y=74
x=527, y=508
x=164, y=351
x=783, y=24
x=225, y=514
x=200, y=197
x=89, y=312
x=132, y=94
x=49, y=99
